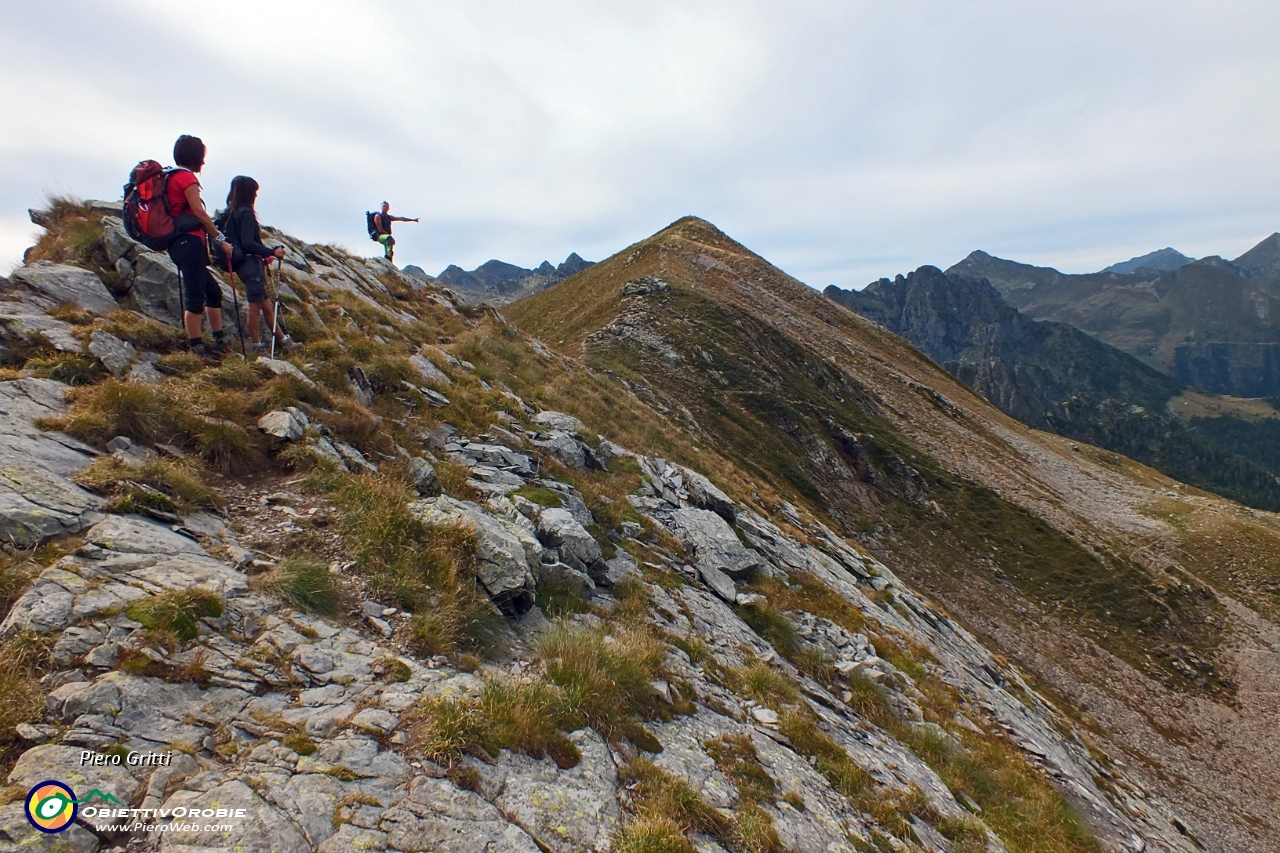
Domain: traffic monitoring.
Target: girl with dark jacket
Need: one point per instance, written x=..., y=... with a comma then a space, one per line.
x=251, y=257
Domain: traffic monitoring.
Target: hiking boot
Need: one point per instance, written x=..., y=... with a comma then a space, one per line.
x=203, y=353
x=288, y=344
x=259, y=350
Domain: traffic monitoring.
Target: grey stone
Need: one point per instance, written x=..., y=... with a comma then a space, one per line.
x=423, y=476
x=51, y=284
x=567, y=810
x=144, y=371
x=24, y=320
x=494, y=455
x=264, y=830
x=324, y=448
x=119, y=245
x=41, y=610
x=705, y=495
x=503, y=549
x=17, y=834
x=435, y=398
x=155, y=289
x=718, y=582
x=438, y=356
x=559, y=529
x=617, y=570
x=36, y=734
x=105, y=208
x=565, y=449
x=558, y=421
x=281, y=425
x=57, y=761
x=436, y=817
x=713, y=542
x=429, y=372
x=360, y=386
x=352, y=456
x=36, y=505
x=74, y=643
x=353, y=839
x=116, y=355
x=765, y=716
x=120, y=442
x=578, y=582
x=280, y=367
x=375, y=720
x=133, y=535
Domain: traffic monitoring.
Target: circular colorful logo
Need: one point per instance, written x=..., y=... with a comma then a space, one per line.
x=51, y=806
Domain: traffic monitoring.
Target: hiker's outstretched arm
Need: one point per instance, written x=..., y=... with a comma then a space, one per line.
x=402, y=219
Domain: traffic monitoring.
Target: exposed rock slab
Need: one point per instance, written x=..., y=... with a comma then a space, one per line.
x=51, y=284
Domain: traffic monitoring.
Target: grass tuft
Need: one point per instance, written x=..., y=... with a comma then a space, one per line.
x=605, y=678
x=178, y=611
x=304, y=580
x=652, y=834
x=65, y=367
x=23, y=660
x=180, y=480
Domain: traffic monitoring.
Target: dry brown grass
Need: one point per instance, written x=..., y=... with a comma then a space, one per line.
x=23, y=660
x=73, y=235
x=181, y=480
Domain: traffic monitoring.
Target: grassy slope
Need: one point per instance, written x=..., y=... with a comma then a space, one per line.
x=1030, y=535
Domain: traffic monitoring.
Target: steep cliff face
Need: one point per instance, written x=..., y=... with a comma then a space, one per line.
x=1058, y=553
x=1028, y=369
x=427, y=585
x=1211, y=323
x=1054, y=377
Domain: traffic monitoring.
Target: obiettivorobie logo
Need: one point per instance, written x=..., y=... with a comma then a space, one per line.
x=52, y=806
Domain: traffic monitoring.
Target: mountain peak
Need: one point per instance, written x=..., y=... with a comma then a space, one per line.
x=1263, y=260
x=1167, y=259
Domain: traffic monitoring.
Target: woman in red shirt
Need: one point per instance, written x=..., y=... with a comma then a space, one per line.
x=200, y=291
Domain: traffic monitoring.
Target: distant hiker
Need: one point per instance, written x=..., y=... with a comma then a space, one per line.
x=380, y=229
x=240, y=222
x=190, y=253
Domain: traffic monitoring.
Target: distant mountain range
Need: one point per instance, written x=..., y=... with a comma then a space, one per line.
x=1055, y=377
x=1211, y=323
x=499, y=282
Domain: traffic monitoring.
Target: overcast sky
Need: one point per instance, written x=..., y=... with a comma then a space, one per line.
x=841, y=140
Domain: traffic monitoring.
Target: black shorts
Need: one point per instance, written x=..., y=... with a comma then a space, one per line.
x=255, y=283
x=199, y=288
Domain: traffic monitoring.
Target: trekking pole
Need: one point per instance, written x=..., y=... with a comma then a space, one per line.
x=275, y=312
x=235, y=297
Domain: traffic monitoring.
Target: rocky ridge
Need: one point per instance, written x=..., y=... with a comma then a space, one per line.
x=1054, y=377
x=499, y=283
x=1210, y=323
x=305, y=720
x=1061, y=555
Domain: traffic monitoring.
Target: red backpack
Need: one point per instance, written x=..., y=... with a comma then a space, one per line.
x=147, y=218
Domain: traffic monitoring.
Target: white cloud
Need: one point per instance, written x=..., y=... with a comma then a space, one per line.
x=842, y=140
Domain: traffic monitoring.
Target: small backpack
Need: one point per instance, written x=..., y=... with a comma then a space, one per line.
x=373, y=225
x=147, y=217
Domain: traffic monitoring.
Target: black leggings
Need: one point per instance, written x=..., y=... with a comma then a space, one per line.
x=199, y=289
